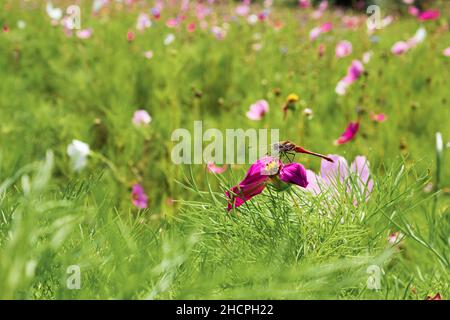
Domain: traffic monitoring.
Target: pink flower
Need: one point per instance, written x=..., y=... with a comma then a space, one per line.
x=143, y=22
x=148, y=54
x=314, y=33
x=262, y=172
x=138, y=196
x=399, y=48
x=172, y=23
x=141, y=117
x=343, y=49
x=338, y=172
x=242, y=10
x=349, y=133
x=130, y=36
x=191, y=27
x=304, y=3
x=367, y=56
x=378, y=117
x=429, y=15
x=326, y=27
x=350, y=22
x=84, y=33
x=436, y=297
x=321, y=50
x=317, y=31
x=219, y=32
x=446, y=52
x=258, y=110
x=414, y=11
x=215, y=169
x=395, y=238
x=354, y=72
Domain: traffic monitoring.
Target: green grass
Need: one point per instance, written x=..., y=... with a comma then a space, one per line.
x=282, y=245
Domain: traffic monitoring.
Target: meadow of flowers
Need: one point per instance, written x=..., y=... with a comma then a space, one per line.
x=92, y=205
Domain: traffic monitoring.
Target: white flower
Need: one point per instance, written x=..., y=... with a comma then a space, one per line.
x=169, y=39
x=439, y=142
x=252, y=19
x=367, y=56
x=54, y=13
x=341, y=88
x=78, y=152
x=21, y=24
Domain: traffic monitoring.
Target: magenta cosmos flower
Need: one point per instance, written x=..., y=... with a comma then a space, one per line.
x=349, y=133
x=258, y=110
x=338, y=172
x=343, y=49
x=138, y=196
x=428, y=15
x=84, y=33
x=354, y=72
x=317, y=31
x=262, y=172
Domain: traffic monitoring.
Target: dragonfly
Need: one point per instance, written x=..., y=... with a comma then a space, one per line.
x=287, y=148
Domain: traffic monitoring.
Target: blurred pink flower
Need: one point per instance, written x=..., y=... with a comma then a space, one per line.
x=143, y=22
x=338, y=172
x=317, y=31
x=446, y=52
x=84, y=33
x=172, y=23
x=343, y=49
x=429, y=15
x=349, y=133
x=130, y=36
x=326, y=27
x=242, y=10
x=367, y=56
x=414, y=11
x=258, y=110
x=350, y=22
x=191, y=27
x=354, y=72
x=138, y=196
x=378, y=117
x=304, y=3
x=321, y=49
x=395, y=238
x=215, y=169
x=141, y=117
x=399, y=48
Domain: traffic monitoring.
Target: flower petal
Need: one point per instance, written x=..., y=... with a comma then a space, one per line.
x=333, y=171
x=294, y=173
